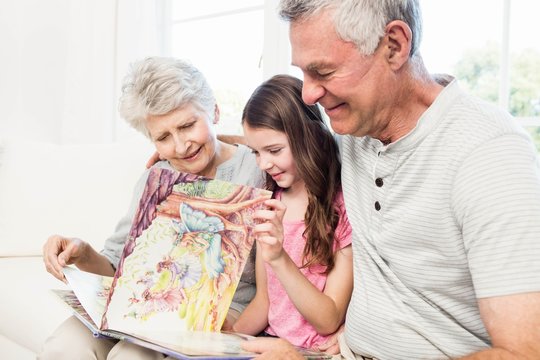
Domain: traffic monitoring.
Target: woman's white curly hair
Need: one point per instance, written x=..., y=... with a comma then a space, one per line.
x=159, y=85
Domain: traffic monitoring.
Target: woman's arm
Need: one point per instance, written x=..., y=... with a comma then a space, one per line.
x=60, y=251
x=254, y=318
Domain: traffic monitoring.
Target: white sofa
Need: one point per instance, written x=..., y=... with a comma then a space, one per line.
x=73, y=190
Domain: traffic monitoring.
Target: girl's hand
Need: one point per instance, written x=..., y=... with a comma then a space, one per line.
x=269, y=233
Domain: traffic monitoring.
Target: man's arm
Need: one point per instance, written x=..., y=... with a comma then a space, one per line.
x=272, y=349
x=513, y=322
x=232, y=139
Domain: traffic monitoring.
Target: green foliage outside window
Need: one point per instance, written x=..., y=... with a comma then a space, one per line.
x=478, y=72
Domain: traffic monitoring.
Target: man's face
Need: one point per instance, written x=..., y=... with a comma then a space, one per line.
x=347, y=84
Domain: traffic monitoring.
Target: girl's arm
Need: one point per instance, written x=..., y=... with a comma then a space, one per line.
x=325, y=310
x=254, y=318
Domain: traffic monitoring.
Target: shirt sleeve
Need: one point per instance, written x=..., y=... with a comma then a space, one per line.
x=343, y=232
x=496, y=201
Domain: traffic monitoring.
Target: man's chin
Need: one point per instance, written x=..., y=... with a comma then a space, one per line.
x=339, y=127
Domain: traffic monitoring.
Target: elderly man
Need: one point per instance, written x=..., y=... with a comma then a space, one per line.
x=442, y=192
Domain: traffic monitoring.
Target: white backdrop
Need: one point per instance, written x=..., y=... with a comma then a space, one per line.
x=61, y=64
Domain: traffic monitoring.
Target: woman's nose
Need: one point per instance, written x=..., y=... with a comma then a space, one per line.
x=181, y=145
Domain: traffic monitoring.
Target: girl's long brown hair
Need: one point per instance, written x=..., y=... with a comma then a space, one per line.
x=277, y=104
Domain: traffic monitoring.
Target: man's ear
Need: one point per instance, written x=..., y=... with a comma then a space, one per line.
x=216, y=114
x=398, y=43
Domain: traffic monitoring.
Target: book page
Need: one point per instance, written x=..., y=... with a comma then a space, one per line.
x=200, y=343
x=188, y=246
x=91, y=290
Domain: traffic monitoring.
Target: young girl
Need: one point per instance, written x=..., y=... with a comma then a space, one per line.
x=303, y=262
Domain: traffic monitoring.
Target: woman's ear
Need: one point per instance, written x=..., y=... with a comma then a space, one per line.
x=216, y=114
x=398, y=43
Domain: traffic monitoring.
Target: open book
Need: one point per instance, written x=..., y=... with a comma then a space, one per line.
x=189, y=242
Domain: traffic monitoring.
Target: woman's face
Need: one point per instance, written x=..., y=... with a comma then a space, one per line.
x=186, y=138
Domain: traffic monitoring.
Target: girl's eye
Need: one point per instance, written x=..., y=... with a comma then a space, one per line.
x=274, y=151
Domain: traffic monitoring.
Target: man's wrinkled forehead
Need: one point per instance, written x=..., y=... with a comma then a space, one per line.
x=312, y=42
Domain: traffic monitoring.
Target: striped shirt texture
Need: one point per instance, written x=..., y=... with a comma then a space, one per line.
x=445, y=215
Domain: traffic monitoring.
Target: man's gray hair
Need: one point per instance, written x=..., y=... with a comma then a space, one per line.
x=159, y=85
x=362, y=22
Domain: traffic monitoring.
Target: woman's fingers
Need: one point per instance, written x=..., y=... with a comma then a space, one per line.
x=58, y=252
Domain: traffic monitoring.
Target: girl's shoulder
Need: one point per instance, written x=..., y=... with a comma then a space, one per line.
x=339, y=203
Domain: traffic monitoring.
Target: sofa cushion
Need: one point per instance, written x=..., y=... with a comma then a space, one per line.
x=11, y=350
x=30, y=312
x=73, y=190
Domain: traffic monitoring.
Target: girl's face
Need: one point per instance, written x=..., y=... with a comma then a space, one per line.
x=186, y=138
x=273, y=154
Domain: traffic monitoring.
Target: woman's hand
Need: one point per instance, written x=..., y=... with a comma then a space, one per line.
x=60, y=251
x=269, y=232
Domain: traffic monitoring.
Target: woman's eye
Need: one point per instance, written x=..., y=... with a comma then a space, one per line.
x=187, y=126
x=274, y=151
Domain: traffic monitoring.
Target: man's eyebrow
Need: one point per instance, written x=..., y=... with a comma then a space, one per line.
x=315, y=66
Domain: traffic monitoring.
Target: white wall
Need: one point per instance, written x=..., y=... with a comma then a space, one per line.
x=61, y=64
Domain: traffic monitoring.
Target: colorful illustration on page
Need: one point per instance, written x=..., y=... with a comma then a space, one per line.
x=186, y=253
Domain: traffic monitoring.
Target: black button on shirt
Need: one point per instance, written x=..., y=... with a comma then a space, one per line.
x=377, y=206
x=379, y=182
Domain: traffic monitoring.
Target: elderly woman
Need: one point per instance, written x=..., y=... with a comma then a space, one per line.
x=170, y=102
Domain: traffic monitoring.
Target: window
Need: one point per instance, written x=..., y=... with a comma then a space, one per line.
x=224, y=39
x=490, y=48
x=486, y=44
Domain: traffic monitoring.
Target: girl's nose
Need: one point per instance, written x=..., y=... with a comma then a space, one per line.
x=268, y=165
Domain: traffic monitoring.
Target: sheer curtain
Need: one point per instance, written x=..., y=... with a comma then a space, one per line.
x=62, y=62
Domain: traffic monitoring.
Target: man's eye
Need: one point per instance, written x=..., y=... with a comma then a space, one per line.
x=255, y=152
x=324, y=75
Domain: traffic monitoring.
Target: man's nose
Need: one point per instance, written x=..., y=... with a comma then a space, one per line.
x=312, y=90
